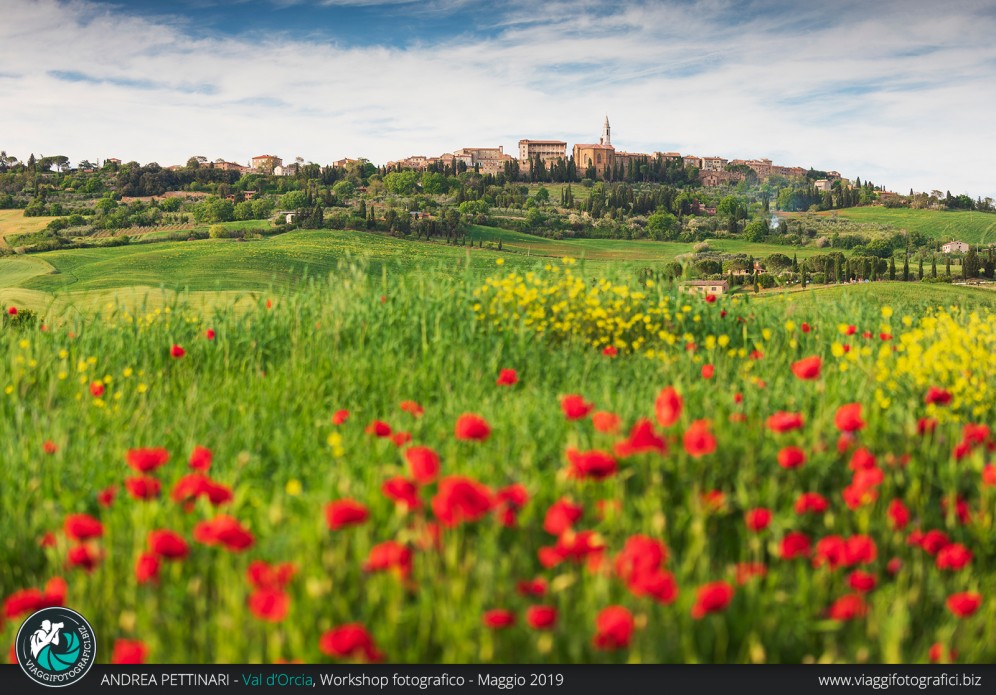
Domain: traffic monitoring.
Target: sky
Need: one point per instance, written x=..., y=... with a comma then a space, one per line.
x=900, y=92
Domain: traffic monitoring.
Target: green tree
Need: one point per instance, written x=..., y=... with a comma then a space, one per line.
x=971, y=265
x=892, y=268
x=344, y=189
x=919, y=271
x=662, y=225
x=401, y=182
x=756, y=231
x=906, y=269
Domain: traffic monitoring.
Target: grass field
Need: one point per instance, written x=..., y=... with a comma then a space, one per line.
x=686, y=542
x=255, y=266
x=969, y=226
x=14, y=222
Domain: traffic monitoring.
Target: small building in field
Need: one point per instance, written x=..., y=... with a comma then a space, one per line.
x=955, y=247
x=705, y=286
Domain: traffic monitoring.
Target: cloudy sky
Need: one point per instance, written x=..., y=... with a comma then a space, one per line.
x=901, y=92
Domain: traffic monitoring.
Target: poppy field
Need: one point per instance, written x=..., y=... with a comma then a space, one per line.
x=546, y=464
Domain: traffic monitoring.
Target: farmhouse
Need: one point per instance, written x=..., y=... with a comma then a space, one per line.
x=705, y=286
x=955, y=247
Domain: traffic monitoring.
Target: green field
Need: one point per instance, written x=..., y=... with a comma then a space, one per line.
x=969, y=226
x=684, y=534
x=14, y=222
x=254, y=266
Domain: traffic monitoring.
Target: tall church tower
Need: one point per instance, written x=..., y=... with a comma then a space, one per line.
x=606, y=138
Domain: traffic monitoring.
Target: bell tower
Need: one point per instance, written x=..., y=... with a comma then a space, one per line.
x=606, y=138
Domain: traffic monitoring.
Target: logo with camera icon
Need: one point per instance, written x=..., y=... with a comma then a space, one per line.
x=55, y=647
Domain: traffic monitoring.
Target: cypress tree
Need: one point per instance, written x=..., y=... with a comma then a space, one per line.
x=805, y=277
x=795, y=263
x=947, y=266
x=892, y=268
x=933, y=266
x=906, y=269
x=919, y=272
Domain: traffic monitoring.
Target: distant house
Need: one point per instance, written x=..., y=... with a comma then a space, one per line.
x=955, y=247
x=705, y=286
x=266, y=163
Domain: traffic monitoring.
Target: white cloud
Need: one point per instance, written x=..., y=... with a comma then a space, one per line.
x=899, y=94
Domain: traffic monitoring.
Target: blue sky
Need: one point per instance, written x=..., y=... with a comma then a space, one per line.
x=897, y=91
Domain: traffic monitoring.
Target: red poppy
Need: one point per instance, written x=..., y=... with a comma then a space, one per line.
x=848, y=418
x=795, y=544
x=758, y=519
x=541, y=617
x=808, y=367
x=350, y=640
x=176, y=352
x=127, y=651
x=389, y=556
x=49, y=447
x=30, y=600
x=784, y=422
x=960, y=509
x=423, y=462
x=531, y=587
x=402, y=491
x=848, y=607
x=613, y=628
x=508, y=501
x=271, y=605
x=471, y=427
x=225, y=531
x=168, y=544
x=143, y=487
x=461, y=499
x=939, y=654
x=147, y=568
x=575, y=407
x=507, y=377
x=738, y=398
x=343, y=513
x=640, y=555
x=188, y=488
x=932, y=541
x=412, y=408
x=105, y=498
x=713, y=500
x=606, y=422
x=399, y=439
x=12, y=311
x=712, y=598
x=209, y=334
x=745, y=571
x=200, y=458
x=708, y=371
x=339, y=417
x=97, y=389
x=964, y=604
x=699, y=440
x=899, y=515
x=593, y=464
x=498, y=618
x=145, y=460
x=667, y=407
x=379, y=428
x=894, y=565
x=953, y=557
x=989, y=475
x=861, y=581
x=84, y=556
x=862, y=459
x=610, y=351
x=642, y=439
x=561, y=516
x=48, y=540
x=791, y=457
x=262, y=575
x=81, y=527
x=937, y=396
